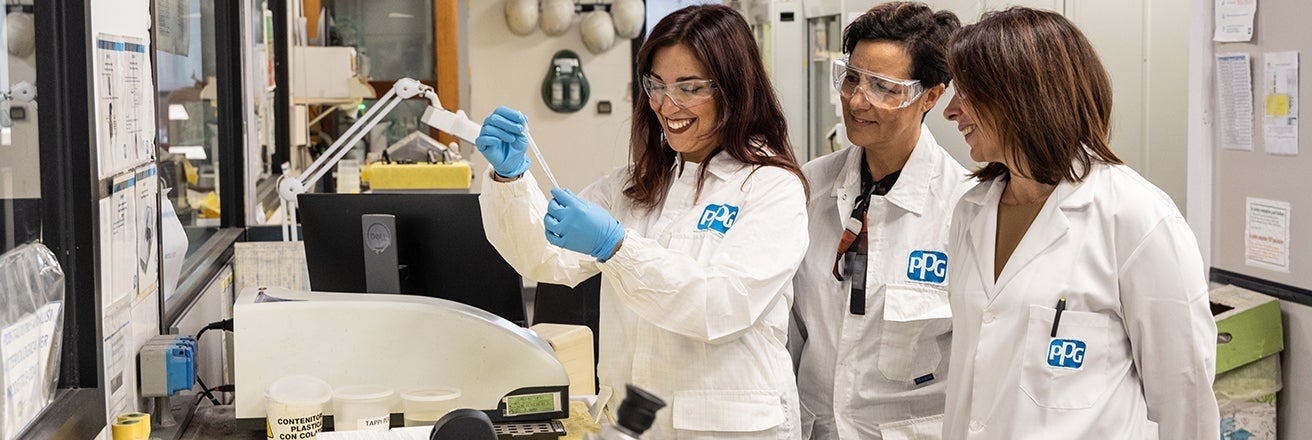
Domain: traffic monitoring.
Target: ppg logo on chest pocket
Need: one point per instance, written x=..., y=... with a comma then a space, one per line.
x=718, y=218
x=927, y=266
x=1066, y=353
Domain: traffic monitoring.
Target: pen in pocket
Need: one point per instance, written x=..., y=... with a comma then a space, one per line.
x=1056, y=318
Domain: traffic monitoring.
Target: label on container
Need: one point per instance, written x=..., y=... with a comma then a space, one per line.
x=380, y=423
x=293, y=422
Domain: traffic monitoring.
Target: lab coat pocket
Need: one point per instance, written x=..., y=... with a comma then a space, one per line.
x=915, y=316
x=1068, y=371
x=727, y=410
x=923, y=428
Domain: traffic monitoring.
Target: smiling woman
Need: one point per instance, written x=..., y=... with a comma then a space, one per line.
x=690, y=288
x=689, y=115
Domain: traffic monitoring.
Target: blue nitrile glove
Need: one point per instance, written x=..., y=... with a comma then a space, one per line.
x=581, y=226
x=503, y=143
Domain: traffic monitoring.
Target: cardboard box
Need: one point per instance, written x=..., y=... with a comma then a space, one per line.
x=573, y=346
x=1249, y=338
x=1248, y=326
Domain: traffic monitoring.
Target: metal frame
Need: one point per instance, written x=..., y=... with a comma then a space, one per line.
x=282, y=100
x=68, y=178
x=1283, y=291
x=70, y=188
x=68, y=212
x=229, y=74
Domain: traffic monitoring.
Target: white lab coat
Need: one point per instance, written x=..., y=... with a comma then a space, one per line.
x=857, y=373
x=696, y=316
x=1136, y=344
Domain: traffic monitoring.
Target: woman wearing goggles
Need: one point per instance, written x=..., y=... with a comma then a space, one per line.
x=684, y=94
x=878, y=90
x=871, y=299
x=696, y=241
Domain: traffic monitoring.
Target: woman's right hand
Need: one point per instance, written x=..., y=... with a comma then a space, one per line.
x=503, y=142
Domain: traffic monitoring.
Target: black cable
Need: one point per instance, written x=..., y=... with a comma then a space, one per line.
x=206, y=390
x=225, y=324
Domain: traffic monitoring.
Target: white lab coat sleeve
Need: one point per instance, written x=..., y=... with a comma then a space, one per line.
x=748, y=272
x=513, y=215
x=1172, y=333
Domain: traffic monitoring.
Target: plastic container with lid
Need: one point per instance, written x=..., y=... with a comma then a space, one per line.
x=294, y=405
x=423, y=407
x=363, y=408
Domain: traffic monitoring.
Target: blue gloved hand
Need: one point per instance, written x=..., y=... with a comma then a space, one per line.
x=503, y=142
x=581, y=226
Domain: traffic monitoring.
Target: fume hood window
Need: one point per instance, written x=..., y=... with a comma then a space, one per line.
x=187, y=115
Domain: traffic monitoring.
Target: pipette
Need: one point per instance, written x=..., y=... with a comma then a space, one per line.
x=536, y=152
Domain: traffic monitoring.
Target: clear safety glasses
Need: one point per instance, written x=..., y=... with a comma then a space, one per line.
x=684, y=93
x=880, y=91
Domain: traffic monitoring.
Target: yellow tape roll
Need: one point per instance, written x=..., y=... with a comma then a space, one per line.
x=128, y=430
x=144, y=418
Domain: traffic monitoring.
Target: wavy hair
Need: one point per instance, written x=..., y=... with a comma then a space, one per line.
x=750, y=118
x=1035, y=81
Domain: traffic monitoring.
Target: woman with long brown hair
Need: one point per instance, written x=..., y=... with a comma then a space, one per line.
x=696, y=241
x=1079, y=302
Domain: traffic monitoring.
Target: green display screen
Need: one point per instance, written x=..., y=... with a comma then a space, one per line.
x=531, y=404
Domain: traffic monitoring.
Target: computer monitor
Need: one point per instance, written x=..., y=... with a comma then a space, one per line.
x=441, y=248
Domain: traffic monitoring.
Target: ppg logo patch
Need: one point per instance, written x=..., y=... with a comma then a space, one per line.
x=1066, y=353
x=927, y=266
x=718, y=218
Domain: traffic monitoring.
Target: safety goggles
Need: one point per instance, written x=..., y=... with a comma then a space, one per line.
x=685, y=93
x=881, y=91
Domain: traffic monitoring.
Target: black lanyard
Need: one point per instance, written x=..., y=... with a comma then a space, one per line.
x=854, y=263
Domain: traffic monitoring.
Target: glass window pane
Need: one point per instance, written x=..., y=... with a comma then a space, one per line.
x=188, y=120
x=394, y=38
x=20, y=163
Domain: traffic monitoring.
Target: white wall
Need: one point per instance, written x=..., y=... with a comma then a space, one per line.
x=507, y=69
x=1295, y=399
x=1144, y=46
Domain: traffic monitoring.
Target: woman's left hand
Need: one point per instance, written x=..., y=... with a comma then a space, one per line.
x=581, y=226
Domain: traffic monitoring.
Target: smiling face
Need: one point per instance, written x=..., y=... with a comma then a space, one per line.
x=688, y=130
x=983, y=143
x=877, y=128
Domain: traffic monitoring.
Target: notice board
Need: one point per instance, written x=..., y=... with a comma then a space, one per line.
x=1262, y=198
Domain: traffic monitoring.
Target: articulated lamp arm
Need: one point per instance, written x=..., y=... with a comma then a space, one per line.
x=435, y=116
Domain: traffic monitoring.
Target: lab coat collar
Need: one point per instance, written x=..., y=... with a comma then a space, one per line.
x=920, y=171
x=722, y=165
x=912, y=187
x=1049, y=226
x=1070, y=194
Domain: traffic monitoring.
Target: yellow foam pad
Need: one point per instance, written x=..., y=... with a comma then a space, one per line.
x=418, y=175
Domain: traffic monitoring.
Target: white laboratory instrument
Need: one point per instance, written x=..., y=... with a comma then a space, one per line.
x=457, y=124
x=399, y=341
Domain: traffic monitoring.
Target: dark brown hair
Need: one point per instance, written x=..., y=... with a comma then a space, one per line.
x=749, y=114
x=920, y=31
x=1033, y=79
